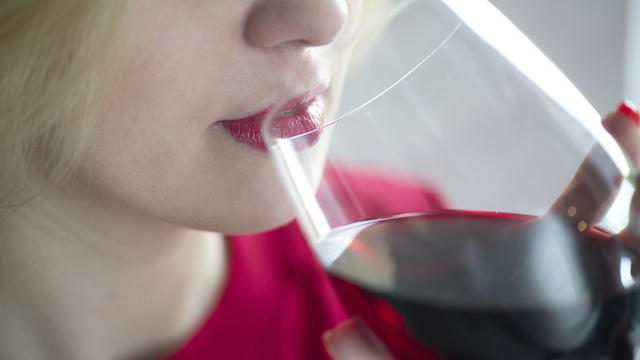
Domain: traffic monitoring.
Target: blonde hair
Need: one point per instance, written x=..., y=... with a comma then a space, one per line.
x=49, y=53
x=376, y=14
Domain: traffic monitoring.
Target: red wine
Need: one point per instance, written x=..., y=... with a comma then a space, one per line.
x=474, y=285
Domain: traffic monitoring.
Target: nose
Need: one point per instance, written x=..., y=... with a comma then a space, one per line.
x=306, y=22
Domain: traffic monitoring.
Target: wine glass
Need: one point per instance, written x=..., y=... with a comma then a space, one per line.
x=463, y=195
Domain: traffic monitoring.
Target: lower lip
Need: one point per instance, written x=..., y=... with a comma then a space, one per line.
x=305, y=120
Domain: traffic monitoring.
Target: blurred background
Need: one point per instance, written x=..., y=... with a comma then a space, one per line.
x=596, y=43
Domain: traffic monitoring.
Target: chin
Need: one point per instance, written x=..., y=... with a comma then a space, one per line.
x=238, y=221
x=256, y=223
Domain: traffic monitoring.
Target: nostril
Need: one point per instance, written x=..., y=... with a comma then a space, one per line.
x=305, y=22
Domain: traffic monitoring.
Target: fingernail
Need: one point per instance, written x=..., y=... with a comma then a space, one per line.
x=631, y=110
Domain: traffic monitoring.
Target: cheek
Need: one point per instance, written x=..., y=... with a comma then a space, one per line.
x=214, y=185
x=154, y=152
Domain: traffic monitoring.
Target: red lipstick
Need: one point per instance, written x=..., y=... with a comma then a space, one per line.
x=298, y=116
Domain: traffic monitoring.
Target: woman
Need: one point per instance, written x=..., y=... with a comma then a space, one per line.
x=117, y=186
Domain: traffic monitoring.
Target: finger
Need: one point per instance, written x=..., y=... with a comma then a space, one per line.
x=597, y=181
x=591, y=191
x=352, y=340
x=624, y=126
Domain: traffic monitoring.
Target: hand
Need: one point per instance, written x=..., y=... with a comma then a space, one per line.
x=353, y=340
x=594, y=186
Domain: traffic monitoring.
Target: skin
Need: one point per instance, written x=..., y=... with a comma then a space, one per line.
x=179, y=68
x=127, y=259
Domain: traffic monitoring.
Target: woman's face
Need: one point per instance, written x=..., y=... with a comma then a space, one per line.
x=178, y=70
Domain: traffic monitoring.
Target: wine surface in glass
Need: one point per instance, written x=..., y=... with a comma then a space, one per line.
x=486, y=285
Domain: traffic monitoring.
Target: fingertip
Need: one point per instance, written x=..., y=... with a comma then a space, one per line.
x=350, y=340
x=327, y=338
x=630, y=110
x=333, y=340
x=619, y=120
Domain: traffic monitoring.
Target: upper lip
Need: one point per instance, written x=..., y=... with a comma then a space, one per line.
x=283, y=108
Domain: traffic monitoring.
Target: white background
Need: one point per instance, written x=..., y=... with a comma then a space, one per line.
x=591, y=41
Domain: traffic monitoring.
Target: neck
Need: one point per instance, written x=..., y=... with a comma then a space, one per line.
x=80, y=279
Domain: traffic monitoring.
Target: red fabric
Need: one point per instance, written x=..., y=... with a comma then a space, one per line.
x=376, y=195
x=279, y=300
x=277, y=303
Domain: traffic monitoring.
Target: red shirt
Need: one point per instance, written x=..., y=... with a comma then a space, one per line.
x=278, y=299
x=277, y=304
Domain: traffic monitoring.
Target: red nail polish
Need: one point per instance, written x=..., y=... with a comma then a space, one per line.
x=629, y=109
